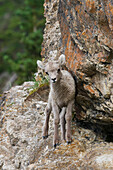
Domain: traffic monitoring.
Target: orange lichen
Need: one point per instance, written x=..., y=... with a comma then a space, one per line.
x=90, y=4
x=110, y=7
x=89, y=88
x=6, y=99
x=105, y=72
x=101, y=57
x=72, y=53
x=109, y=67
x=66, y=12
x=43, y=52
x=81, y=75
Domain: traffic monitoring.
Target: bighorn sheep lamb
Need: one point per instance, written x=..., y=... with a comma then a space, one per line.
x=61, y=98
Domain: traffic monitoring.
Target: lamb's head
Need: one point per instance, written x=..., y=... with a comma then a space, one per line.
x=53, y=68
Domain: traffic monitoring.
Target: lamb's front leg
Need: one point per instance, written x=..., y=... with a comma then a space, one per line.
x=68, y=118
x=46, y=123
x=56, y=122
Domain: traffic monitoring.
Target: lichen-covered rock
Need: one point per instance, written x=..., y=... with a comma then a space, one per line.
x=83, y=31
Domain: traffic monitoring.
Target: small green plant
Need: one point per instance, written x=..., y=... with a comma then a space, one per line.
x=41, y=81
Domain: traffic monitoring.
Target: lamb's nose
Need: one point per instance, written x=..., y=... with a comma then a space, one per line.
x=53, y=80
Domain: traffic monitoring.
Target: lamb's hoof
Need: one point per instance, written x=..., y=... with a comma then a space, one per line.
x=45, y=137
x=56, y=144
x=69, y=142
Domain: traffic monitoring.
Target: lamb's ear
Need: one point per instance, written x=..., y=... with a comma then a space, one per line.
x=40, y=64
x=62, y=59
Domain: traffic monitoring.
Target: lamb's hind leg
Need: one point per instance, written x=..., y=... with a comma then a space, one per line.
x=46, y=123
x=62, y=123
x=68, y=121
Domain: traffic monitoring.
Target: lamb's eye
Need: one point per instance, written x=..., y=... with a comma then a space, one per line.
x=47, y=73
x=58, y=70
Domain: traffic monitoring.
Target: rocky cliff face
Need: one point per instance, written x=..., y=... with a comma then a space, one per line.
x=83, y=31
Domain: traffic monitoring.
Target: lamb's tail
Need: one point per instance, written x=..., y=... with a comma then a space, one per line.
x=76, y=86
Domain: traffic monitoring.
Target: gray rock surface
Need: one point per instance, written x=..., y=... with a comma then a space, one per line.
x=22, y=146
